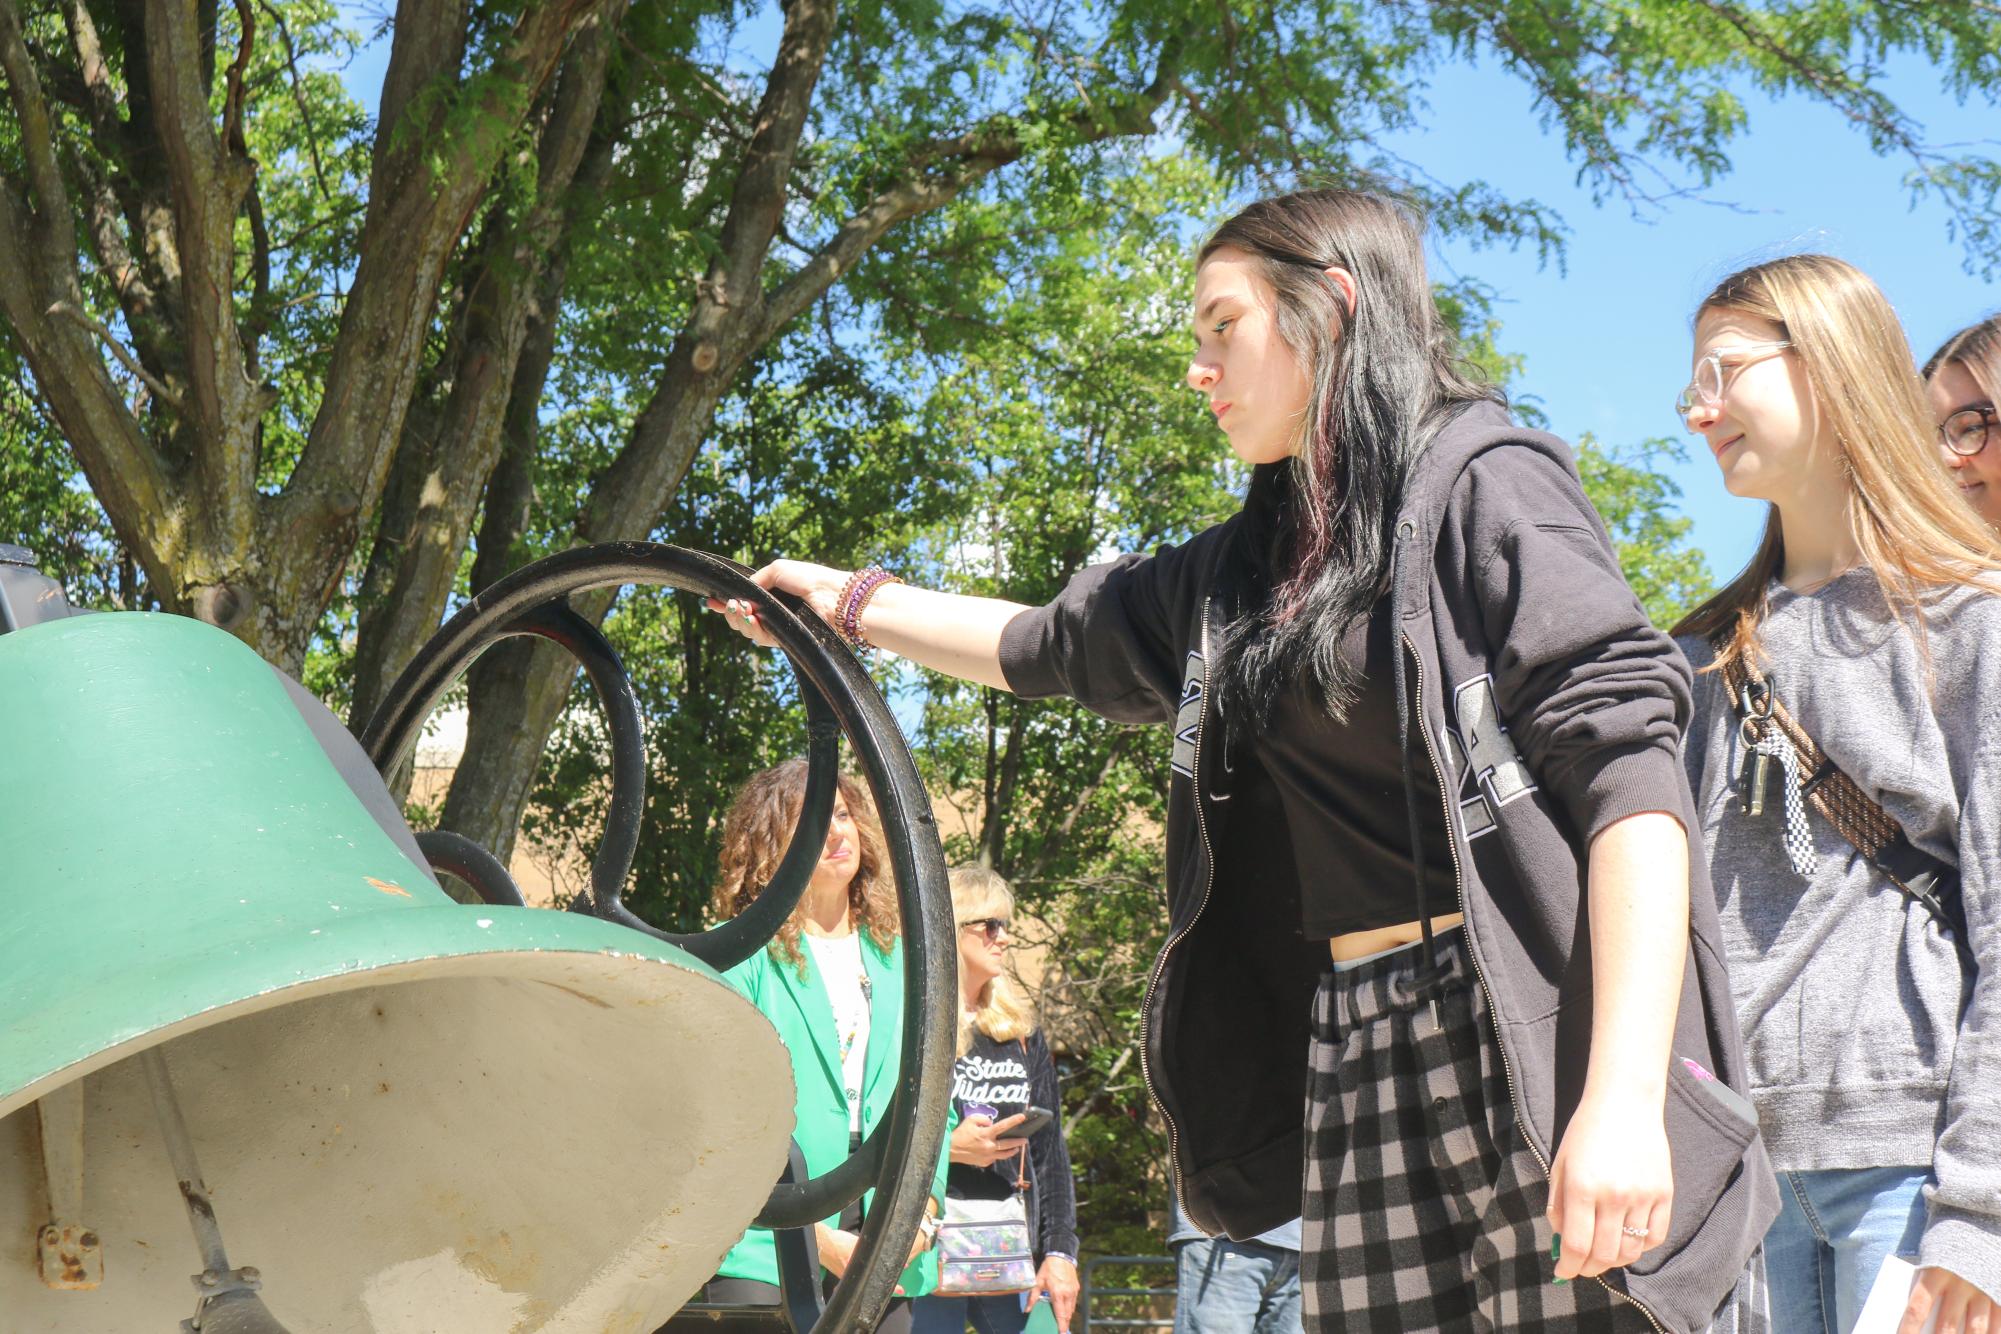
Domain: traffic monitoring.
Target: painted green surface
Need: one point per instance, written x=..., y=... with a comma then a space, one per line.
x=173, y=840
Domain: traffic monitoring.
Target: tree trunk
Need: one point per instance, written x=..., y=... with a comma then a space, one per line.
x=518, y=691
x=442, y=473
x=1003, y=779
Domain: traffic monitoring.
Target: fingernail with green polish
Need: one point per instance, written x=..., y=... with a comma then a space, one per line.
x=1555, y=1254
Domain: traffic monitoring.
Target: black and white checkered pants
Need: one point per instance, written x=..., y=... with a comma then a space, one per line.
x=1424, y=1205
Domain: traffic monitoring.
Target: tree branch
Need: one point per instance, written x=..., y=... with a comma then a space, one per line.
x=136, y=183
x=125, y=473
x=299, y=100
x=439, y=474
x=940, y=170
x=112, y=198
x=1064, y=829
x=136, y=297
x=433, y=159
x=38, y=148
x=152, y=382
x=757, y=205
x=95, y=96
x=207, y=180
x=232, y=101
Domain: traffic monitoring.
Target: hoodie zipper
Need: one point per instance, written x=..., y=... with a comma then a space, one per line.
x=1459, y=886
x=1159, y=964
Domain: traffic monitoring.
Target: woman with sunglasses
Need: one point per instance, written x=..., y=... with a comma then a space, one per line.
x=1004, y=1070
x=1963, y=379
x=1868, y=981
x=1426, y=823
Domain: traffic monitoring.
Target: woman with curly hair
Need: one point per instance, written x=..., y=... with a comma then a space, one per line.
x=831, y=982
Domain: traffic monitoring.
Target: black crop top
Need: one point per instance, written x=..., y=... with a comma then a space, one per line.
x=1341, y=785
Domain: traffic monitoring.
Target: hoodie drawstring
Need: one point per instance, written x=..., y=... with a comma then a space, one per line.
x=1428, y=976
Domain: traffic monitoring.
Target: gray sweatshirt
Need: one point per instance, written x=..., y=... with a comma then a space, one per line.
x=1849, y=996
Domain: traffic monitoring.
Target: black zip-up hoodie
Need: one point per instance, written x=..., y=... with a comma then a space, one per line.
x=1549, y=708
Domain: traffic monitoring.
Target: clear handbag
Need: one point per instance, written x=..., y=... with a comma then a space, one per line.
x=983, y=1247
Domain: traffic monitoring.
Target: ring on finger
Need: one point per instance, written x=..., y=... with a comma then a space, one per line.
x=1636, y=1233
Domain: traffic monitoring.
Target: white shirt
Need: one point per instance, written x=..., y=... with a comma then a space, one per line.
x=839, y=959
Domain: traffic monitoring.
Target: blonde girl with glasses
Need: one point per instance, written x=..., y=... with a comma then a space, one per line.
x=1963, y=381
x=1868, y=618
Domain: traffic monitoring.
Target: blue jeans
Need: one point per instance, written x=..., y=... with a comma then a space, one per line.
x=1236, y=1287
x=1833, y=1231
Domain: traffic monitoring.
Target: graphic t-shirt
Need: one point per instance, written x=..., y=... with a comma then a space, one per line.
x=1011, y=1077
x=839, y=960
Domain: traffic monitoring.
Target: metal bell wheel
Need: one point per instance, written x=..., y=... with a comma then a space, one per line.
x=226, y=964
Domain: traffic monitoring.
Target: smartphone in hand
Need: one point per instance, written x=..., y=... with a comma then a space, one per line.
x=1037, y=1118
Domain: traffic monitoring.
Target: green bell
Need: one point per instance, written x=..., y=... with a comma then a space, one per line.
x=410, y=1115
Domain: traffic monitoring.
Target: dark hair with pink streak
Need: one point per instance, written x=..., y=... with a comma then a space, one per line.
x=1322, y=526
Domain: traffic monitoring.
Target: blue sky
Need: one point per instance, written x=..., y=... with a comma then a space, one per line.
x=1606, y=342
x=1606, y=338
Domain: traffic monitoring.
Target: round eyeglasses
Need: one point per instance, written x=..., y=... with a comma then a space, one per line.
x=1706, y=388
x=993, y=928
x=1967, y=431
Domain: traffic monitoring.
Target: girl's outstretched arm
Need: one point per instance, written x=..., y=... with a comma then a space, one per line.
x=952, y=633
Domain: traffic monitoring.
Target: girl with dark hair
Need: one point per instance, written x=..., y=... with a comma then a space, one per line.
x=1846, y=759
x=831, y=982
x=1963, y=380
x=1422, y=733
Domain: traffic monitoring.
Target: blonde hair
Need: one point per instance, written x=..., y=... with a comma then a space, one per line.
x=756, y=833
x=1004, y=1013
x=1977, y=348
x=1914, y=530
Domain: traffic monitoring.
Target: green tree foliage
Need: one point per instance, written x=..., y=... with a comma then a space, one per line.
x=304, y=357
x=1636, y=500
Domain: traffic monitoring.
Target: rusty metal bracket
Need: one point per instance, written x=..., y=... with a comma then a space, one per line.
x=71, y=1254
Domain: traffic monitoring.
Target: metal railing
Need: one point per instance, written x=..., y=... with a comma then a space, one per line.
x=1087, y=1299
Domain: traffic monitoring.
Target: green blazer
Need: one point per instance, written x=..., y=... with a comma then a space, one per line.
x=799, y=1008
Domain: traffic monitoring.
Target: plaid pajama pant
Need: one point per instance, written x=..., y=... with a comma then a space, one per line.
x=1424, y=1206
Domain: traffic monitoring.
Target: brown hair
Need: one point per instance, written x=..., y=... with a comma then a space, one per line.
x=1914, y=531
x=759, y=828
x=1977, y=347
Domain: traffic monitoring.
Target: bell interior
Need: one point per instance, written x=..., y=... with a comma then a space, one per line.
x=536, y=1140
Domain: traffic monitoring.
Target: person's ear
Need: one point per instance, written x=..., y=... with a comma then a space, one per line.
x=1344, y=280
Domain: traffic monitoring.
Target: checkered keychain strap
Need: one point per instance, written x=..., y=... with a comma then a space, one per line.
x=1765, y=741
x=1798, y=834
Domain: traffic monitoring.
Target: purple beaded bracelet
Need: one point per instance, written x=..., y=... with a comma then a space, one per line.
x=862, y=586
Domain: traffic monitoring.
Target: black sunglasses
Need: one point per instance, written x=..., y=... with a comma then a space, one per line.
x=990, y=927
